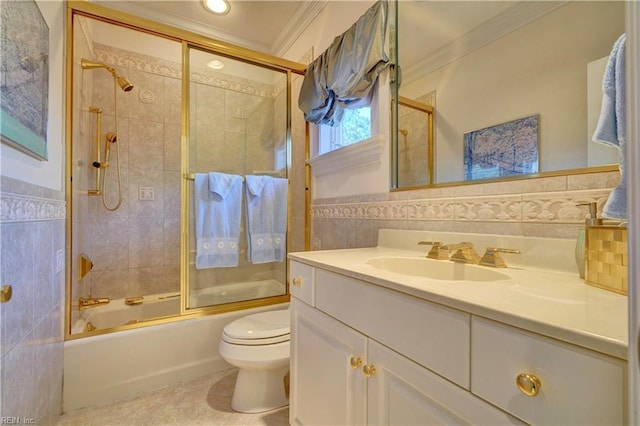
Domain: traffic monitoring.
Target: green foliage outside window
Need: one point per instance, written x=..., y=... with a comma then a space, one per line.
x=356, y=126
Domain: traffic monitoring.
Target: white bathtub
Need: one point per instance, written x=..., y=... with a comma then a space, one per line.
x=107, y=367
x=117, y=312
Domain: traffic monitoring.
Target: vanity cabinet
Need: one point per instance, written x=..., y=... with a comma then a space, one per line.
x=365, y=354
x=342, y=376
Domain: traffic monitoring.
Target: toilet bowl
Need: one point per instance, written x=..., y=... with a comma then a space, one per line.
x=258, y=345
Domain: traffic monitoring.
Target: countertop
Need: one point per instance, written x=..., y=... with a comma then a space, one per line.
x=552, y=304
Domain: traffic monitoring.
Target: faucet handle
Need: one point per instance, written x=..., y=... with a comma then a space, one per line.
x=437, y=250
x=492, y=256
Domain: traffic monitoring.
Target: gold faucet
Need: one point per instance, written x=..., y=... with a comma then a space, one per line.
x=437, y=250
x=464, y=253
x=492, y=257
x=89, y=302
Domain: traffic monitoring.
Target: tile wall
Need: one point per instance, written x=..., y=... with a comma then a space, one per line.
x=32, y=231
x=542, y=207
x=136, y=249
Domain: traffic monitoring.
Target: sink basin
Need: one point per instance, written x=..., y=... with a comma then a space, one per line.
x=436, y=269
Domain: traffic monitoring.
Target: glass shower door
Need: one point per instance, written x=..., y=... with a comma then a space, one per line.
x=237, y=140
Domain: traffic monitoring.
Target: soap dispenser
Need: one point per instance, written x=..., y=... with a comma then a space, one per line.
x=592, y=220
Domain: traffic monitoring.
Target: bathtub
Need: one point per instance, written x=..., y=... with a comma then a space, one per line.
x=108, y=367
x=117, y=312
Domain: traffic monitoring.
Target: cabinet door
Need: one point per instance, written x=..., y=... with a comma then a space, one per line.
x=573, y=386
x=401, y=392
x=325, y=388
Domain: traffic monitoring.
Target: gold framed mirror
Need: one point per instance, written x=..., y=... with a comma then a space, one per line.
x=487, y=63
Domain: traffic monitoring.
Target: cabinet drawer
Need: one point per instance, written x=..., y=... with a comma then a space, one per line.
x=432, y=335
x=577, y=386
x=301, y=282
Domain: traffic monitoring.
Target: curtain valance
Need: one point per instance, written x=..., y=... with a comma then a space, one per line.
x=344, y=75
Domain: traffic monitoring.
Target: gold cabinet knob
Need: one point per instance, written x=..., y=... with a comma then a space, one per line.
x=355, y=362
x=297, y=281
x=529, y=384
x=368, y=370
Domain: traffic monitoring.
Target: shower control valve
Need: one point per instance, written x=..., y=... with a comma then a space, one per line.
x=99, y=165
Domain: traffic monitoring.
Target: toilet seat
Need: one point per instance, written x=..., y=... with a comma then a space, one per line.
x=264, y=328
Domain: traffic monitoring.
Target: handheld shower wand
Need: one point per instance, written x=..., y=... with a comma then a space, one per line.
x=111, y=137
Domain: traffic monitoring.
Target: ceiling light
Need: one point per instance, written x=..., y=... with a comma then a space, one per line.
x=215, y=64
x=219, y=7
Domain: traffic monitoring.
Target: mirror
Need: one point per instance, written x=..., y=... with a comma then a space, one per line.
x=481, y=64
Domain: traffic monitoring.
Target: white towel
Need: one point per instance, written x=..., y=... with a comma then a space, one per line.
x=612, y=125
x=266, y=218
x=218, y=211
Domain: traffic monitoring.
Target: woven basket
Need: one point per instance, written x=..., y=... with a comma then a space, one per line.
x=606, y=258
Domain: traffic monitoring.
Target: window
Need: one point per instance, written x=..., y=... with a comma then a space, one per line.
x=355, y=127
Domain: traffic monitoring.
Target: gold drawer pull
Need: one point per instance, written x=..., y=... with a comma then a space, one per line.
x=297, y=281
x=529, y=384
x=368, y=370
x=355, y=362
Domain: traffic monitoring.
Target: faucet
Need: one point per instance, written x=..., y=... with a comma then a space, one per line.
x=464, y=253
x=89, y=302
x=437, y=250
x=492, y=257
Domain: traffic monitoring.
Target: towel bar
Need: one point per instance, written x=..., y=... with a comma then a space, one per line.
x=192, y=176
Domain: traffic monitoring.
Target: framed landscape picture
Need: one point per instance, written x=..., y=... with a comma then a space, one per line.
x=24, y=67
x=505, y=149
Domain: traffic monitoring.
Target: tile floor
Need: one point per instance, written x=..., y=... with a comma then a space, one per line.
x=203, y=401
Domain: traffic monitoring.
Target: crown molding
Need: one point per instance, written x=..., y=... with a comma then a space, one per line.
x=302, y=18
x=495, y=28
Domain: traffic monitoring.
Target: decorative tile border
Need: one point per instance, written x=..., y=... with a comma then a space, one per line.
x=24, y=208
x=554, y=207
x=149, y=64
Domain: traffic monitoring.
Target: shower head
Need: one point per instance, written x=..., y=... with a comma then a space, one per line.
x=123, y=82
x=404, y=131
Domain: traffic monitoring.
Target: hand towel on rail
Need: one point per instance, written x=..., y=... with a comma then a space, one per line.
x=218, y=212
x=266, y=218
x=611, y=128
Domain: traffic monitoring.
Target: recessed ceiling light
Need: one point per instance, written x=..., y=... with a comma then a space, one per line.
x=215, y=64
x=219, y=7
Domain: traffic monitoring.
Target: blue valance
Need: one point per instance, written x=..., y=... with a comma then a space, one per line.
x=344, y=75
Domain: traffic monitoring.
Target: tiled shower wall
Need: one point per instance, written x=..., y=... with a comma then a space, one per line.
x=33, y=234
x=542, y=207
x=240, y=130
x=136, y=249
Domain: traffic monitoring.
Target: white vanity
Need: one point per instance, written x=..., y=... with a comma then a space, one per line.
x=510, y=346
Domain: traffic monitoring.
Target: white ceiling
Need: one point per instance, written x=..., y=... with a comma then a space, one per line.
x=264, y=25
x=429, y=29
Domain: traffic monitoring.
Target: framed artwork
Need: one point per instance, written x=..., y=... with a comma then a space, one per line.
x=506, y=149
x=24, y=71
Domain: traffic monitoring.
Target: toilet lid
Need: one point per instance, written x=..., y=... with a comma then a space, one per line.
x=270, y=326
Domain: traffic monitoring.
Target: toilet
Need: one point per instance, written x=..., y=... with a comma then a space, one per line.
x=258, y=345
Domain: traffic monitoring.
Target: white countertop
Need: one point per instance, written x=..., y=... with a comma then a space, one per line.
x=553, y=304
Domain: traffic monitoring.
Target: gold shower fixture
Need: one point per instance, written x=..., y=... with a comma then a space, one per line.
x=110, y=138
x=122, y=81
